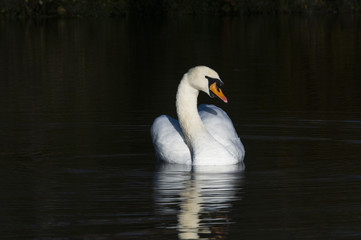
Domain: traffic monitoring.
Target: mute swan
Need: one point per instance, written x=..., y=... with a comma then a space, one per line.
x=203, y=136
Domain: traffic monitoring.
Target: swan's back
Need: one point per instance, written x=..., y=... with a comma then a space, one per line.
x=220, y=126
x=169, y=143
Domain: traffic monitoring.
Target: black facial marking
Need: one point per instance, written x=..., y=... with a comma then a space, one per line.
x=218, y=82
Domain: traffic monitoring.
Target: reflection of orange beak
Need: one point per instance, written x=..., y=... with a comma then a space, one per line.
x=218, y=92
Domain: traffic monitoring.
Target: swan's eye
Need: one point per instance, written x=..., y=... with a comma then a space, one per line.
x=215, y=89
x=219, y=83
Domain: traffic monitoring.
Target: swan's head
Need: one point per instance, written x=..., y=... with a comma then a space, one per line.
x=206, y=80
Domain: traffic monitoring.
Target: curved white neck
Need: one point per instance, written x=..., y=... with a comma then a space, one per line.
x=204, y=148
x=189, y=119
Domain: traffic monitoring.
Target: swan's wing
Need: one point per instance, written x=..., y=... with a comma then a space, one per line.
x=220, y=126
x=168, y=141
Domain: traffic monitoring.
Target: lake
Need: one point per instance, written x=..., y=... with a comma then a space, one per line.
x=78, y=97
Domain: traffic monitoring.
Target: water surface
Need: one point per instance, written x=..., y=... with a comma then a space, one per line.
x=78, y=98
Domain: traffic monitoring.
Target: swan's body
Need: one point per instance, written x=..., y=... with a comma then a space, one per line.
x=202, y=136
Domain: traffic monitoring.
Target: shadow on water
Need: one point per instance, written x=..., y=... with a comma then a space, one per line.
x=196, y=203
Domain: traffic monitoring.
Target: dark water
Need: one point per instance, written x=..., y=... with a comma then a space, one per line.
x=77, y=98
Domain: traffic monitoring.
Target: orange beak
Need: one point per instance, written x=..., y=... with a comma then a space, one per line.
x=218, y=92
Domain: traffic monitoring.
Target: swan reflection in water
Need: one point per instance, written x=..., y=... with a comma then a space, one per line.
x=200, y=197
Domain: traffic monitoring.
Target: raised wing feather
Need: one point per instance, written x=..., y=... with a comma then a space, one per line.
x=168, y=138
x=220, y=126
x=169, y=142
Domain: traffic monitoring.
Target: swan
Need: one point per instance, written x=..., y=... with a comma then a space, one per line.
x=203, y=135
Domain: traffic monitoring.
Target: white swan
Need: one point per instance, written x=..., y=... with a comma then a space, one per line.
x=203, y=136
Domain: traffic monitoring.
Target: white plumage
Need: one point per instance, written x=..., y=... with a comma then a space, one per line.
x=203, y=135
